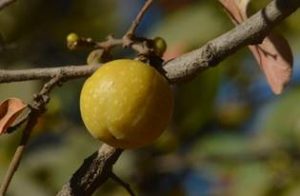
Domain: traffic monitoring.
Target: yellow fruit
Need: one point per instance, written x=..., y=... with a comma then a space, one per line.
x=72, y=38
x=126, y=103
x=72, y=41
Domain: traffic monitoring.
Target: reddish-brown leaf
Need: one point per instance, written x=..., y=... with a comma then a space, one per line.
x=275, y=58
x=10, y=109
x=274, y=55
x=243, y=6
x=234, y=10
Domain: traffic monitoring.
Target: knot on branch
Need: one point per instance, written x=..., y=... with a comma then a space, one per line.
x=210, y=55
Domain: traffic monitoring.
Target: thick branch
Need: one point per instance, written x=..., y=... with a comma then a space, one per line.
x=188, y=65
x=5, y=3
x=252, y=31
x=94, y=171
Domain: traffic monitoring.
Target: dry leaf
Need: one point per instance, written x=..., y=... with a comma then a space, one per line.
x=243, y=5
x=10, y=109
x=233, y=10
x=274, y=55
x=275, y=58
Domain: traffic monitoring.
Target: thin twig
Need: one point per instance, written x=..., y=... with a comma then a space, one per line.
x=110, y=43
x=37, y=108
x=138, y=18
x=122, y=183
x=5, y=3
x=14, y=164
x=70, y=72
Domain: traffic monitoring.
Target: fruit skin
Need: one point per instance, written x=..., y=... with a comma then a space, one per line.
x=72, y=41
x=72, y=37
x=160, y=46
x=126, y=103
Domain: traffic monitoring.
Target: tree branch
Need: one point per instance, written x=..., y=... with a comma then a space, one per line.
x=37, y=109
x=94, y=171
x=122, y=183
x=138, y=18
x=5, y=3
x=188, y=65
x=70, y=72
x=252, y=31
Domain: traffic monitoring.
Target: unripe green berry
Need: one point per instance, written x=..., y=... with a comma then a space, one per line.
x=159, y=45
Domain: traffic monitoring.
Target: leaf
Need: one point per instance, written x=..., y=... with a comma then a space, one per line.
x=236, y=9
x=275, y=58
x=274, y=55
x=243, y=5
x=10, y=109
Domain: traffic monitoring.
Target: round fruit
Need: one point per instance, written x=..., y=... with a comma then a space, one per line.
x=72, y=38
x=126, y=103
x=72, y=41
x=160, y=46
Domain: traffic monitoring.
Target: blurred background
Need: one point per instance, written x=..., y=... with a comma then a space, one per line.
x=229, y=135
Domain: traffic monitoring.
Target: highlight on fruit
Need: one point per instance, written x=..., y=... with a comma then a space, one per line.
x=126, y=103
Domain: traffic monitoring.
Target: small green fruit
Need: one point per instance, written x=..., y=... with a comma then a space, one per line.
x=160, y=46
